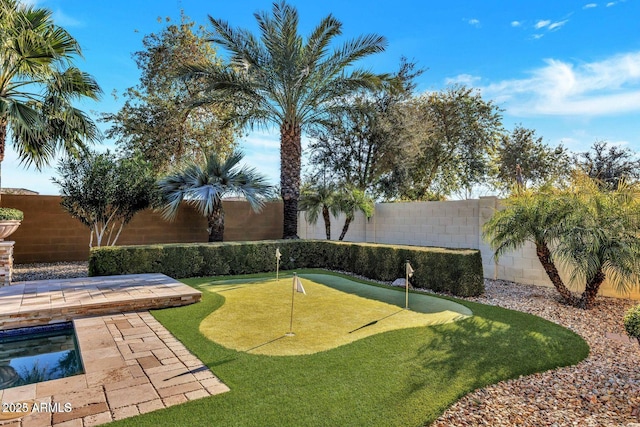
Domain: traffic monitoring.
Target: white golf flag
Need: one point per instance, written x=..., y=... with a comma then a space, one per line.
x=297, y=284
x=409, y=270
x=278, y=254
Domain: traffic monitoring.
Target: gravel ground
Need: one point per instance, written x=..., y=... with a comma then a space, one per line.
x=602, y=390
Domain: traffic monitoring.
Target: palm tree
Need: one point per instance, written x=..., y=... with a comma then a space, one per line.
x=38, y=84
x=350, y=201
x=204, y=186
x=316, y=199
x=531, y=217
x=281, y=79
x=594, y=233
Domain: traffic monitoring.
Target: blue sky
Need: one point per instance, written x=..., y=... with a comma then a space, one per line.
x=568, y=69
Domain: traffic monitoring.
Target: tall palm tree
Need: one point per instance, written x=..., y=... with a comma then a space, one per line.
x=205, y=185
x=350, y=201
x=38, y=84
x=282, y=79
x=319, y=199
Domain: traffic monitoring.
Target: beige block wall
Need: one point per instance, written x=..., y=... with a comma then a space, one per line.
x=449, y=224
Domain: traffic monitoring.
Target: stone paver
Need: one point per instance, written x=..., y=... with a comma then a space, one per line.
x=118, y=382
x=41, y=302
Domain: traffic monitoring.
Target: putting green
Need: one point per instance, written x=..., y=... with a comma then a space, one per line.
x=335, y=311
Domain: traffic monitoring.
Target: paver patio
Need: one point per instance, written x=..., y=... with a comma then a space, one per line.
x=43, y=302
x=132, y=364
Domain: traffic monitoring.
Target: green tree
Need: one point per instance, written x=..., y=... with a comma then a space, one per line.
x=316, y=199
x=38, y=84
x=361, y=144
x=105, y=192
x=537, y=162
x=594, y=233
x=350, y=201
x=204, y=186
x=454, y=132
x=282, y=79
x=155, y=119
x=609, y=164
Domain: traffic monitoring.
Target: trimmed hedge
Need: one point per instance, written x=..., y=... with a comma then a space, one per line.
x=455, y=271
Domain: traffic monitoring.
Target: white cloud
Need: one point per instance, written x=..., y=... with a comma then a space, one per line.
x=590, y=5
x=475, y=22
x=542, y=23
x=537, y=36
x=611, y=3
x=607, y=87
x=557, y=25
x=516, y=23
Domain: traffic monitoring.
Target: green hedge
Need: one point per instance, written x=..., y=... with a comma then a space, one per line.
x=456, y=271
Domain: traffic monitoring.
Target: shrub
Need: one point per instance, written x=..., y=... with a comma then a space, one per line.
x=458, y=272
x=7, y=214
x=632, y=322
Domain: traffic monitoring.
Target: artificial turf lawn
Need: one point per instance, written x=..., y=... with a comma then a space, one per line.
x=405, y=377
x=257, y=313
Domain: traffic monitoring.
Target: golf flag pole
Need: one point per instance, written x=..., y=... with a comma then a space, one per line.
x=278, y=255
x=296, y=287
x=408, y=274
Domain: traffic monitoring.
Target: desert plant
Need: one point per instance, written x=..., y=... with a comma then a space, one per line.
x=632, y=322
x=205, y=185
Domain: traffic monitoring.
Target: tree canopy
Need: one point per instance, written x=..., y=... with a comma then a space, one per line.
x=157, y=119
x=39, y=85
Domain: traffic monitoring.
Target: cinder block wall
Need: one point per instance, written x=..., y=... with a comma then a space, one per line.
x=49, y=234
x=449, y=224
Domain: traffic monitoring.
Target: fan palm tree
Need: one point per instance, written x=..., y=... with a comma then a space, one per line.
x=205, y=185
x=317, y=199
x=282, y=79
x=350, y=201
x=38, y=84
x=593, y=233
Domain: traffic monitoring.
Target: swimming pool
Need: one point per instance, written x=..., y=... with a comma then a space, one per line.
x=36, y=354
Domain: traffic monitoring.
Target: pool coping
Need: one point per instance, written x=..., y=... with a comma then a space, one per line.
x=132, y=365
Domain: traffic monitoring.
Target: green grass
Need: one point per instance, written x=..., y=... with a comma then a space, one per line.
x=336, y=311
x=405, y=377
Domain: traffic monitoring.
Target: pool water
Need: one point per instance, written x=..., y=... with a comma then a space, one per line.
x=42, y=353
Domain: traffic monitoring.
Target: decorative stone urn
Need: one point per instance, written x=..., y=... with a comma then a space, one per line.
x=10, y=220
x=7, y=227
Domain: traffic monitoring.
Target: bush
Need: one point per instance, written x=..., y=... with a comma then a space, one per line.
x=458, y=272
x=632, y=323
x=8, y=214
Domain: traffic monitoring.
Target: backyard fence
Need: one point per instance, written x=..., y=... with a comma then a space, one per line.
x=448, y=224
x=49, y=234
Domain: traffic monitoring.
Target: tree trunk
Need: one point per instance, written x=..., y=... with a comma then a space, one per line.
x=544, y=255
x=591, y=291
x=327, y=221
x=347, y=222
x=216, y=223
x=3, y=141
x=290, y=165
